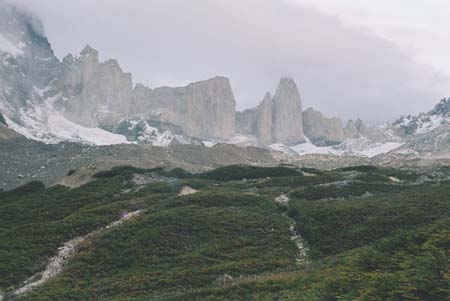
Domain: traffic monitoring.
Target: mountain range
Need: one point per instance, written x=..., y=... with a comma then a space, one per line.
x=82, y=99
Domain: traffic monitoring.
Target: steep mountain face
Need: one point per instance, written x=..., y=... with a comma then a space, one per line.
x=204, y=109
x=82, y=99
x=277, y=119
x=426, y=133
x=424, y=122
x=245, y=121
x=93, y=93
x=287, y=114
x=27, y=63
x=321, y=130
x=264, y=120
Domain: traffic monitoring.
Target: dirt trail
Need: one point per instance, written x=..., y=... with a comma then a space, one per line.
x=68, y=250
x=302, y=254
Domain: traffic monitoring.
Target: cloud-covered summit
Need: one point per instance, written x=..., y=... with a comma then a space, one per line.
x=340, y=70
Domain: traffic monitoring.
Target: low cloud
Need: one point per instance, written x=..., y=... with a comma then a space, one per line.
x=340, y=70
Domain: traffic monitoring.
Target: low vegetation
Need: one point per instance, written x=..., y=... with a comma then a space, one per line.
x=371, y=234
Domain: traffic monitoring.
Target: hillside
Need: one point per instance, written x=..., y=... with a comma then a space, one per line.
x=233, y=233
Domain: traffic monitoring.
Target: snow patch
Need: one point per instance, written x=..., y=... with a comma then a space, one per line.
x=7, y=46
x=244, y=140
x=429, y=125
x=209, y=143
x=361, y=147
x=45, y=124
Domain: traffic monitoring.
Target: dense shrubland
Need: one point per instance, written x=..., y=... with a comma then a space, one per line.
x=372, y=234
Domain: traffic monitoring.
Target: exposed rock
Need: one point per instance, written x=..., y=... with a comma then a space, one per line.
x=442, y=108
x=351, y=130
x=2, y=120
x=277, y=119
x=157, y=133
x=204, y=110
x=94, y=93
x=6, y=133
x=264, y=120
x=287, y=114
x=245, y=122
x=186, y=190
x=361, y=127
x=321, y=130
x=27, y=63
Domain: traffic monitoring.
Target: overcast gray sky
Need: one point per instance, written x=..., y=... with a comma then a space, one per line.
x=350, y=58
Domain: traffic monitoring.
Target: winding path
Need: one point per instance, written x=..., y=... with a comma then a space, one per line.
x=302, y=254
x=68, y=250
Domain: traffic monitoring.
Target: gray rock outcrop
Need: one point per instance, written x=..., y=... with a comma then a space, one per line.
x=277, y=119
x=264, y=120
x=287, y=114
x=351, y=130
x=245, y=122
x=95, y=94
x=321, y=130
x=27, y=63
x=204, y=109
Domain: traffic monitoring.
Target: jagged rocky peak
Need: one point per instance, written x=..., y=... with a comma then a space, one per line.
x=89, y=51
x=409, y=126
x=322, y=130
x=287, y=113
x=27, y=63
x=442, y=108
x=276, y=119
x=95, y=94
x=205, y=109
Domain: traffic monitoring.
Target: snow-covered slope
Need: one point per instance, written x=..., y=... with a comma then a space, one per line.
x=362, y=147
x=424, y=122
x=44, y=123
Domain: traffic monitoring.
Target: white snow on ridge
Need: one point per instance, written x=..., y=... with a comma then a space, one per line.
x=67, y=130
x=357, y=147
x=45, y=124
x=430, y=125
x=379, y=148
x=7, y=46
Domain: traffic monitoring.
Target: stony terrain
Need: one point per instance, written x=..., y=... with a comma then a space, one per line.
x=25, y=160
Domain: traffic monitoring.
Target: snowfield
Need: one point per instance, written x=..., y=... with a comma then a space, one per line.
x=361, y=147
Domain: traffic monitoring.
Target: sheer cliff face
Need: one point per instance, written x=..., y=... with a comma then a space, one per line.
x=100, y=94
x=277, y=119
x=264, y=120
x=203, y=109
x=321, y=130
x=35, y=84
x=94, y=94
x=287, y=114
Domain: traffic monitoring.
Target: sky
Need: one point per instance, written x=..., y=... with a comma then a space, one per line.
x=375, y=60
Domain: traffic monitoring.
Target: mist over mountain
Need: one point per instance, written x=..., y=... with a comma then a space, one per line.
x=340, y=70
